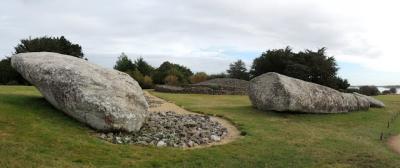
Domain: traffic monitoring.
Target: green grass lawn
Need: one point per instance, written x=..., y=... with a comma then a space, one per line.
x=34, y=134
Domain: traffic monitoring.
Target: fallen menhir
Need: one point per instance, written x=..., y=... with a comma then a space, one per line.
x=104, y=99
x=273, y=91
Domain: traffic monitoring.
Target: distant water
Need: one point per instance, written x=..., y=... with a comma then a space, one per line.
x=381, y=89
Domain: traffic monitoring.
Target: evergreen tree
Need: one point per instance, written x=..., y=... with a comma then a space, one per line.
x=238, y=70
x=144, y=67
x=308, y=65
x=124, y=64
x=50, y=44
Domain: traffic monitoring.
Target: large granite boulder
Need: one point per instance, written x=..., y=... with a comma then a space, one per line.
x=105, y=99
x=273, y=91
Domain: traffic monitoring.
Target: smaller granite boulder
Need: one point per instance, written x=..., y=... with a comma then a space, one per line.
x=273, y=91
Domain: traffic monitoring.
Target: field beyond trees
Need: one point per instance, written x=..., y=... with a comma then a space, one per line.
x=34, y=134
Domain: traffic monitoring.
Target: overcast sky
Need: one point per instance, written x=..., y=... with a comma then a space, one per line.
x=207, y=35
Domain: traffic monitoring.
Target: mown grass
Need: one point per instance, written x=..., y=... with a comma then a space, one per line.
x=34, y=134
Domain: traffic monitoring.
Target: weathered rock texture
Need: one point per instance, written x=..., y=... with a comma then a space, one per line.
x=272, y=91
x=104, y=99
x=219, y=86
x=372, y=102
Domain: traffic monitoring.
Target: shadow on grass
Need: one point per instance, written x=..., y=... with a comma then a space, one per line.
x=35, y=106
x=23, y=101
x=300, y=113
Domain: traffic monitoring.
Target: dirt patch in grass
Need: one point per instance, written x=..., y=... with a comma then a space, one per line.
x=160, y=105
x=3, y=135
x=394, y=143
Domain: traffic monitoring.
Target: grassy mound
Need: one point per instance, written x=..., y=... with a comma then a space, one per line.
x=224, y=82
x=34, y=134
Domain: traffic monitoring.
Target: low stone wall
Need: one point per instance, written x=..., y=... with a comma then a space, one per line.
x=168, y=89
x=198, y=89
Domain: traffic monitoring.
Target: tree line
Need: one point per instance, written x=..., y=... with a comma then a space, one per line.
x=9, y=76
x=308, y=65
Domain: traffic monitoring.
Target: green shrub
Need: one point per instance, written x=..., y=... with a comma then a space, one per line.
x=308, y=65
x=135, y=74
x=171, y=80
x=181, y=72
x=50, y=44
x=198, y=77
x=220, y=75
x=351, y=90
x=393, y=90
x=9, y=75
x=147, y=83
x=369, y=90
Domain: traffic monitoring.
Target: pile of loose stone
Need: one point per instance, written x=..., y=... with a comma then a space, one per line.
x=171, y=129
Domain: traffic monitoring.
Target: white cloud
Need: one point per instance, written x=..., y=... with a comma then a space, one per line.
x=196, y=33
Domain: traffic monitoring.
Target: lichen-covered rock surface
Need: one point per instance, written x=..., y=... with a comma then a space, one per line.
x=273, y=91
x=372, y=102
x=104, y=99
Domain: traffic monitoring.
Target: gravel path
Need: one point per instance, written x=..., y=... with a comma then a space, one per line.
x=171, y=125
x=164, y=106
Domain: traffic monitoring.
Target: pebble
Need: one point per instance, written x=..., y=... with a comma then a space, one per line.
x=215, y=138
x=118, y=140
x=161, y=144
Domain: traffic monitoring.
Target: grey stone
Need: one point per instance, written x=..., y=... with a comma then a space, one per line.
x=273, y=91
x=215, y=138
x=118, y=140
x=105, y=99
x=127, y=139
x=161, y=144
x=190, y=143
x=175, y=130
x=372, y=101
